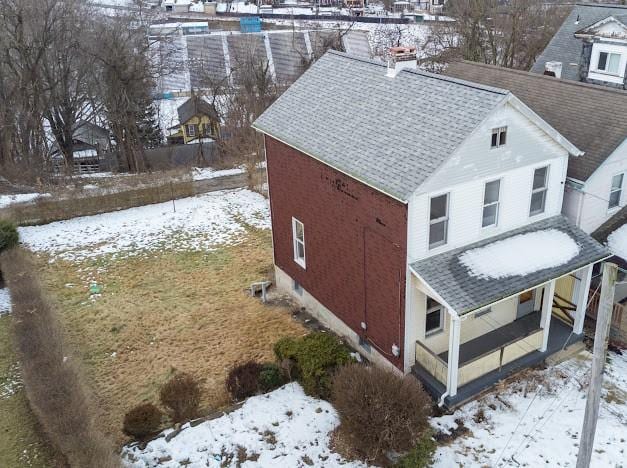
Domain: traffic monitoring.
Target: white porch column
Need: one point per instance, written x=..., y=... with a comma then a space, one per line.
x=547, y=306
x=582, y=298
x=453, y=354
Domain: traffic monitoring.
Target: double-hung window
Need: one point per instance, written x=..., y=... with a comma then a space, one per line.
x=491, y=196
x=298, y=236
x=539, y=190
x=192, y=130
x=609, y=63
x=438, y=221
x=499, y=137
x=616, y=191
x=435, y=314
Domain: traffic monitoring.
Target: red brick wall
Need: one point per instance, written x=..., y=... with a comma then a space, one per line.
x=341, y=217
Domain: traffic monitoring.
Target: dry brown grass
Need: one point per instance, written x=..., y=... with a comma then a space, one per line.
x=183, y=311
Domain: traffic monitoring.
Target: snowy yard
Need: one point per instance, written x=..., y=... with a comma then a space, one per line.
x=282, y=428
x=197, y=223
x=542, y=427
x=533, y=422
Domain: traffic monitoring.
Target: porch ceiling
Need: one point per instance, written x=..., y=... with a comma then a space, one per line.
x=464, y=292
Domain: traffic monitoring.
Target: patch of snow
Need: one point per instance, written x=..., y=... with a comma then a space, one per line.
x=5, y=301
x=204, y=173
x=282, y=428
x=11, y=382
x=199, y=223
x=617, y=242
x=520, y=255
x=531, y=424
x=6, y=200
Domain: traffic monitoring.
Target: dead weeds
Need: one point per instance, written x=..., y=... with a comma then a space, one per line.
x=163, y=313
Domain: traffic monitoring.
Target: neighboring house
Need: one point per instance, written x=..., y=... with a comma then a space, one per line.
x=176, y=6
x=90, y=142
x=197, y=120
x=419, y=216
x=590, y=46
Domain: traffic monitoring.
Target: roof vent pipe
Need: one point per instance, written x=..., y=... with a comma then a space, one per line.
x=401, y=58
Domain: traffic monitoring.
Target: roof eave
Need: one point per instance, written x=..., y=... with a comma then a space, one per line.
x=398, y=198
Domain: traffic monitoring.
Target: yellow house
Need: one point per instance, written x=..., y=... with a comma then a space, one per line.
x=198, y=119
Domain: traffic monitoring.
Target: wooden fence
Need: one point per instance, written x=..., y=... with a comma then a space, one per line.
x=593, y=308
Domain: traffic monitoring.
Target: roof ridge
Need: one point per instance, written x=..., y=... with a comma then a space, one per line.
x=603, y=5
x=470, y=84
x=539, y=76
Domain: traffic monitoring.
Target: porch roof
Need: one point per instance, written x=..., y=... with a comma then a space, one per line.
x=465, y=292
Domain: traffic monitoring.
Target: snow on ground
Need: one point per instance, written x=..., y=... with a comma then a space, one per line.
x=282, y=428
x=521, y=254
x=541, y=428
x=5, y=301
x=199, y=223
x=204, y=173
x=617, y=242
x=6, y=200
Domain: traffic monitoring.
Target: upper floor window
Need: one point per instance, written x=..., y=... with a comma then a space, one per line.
x=192, y=130
x=609, y=63
x=491, y=195
x=616, y=190
x=298, y=237
x=438, y=221
x=499, y=137
x=538, y=190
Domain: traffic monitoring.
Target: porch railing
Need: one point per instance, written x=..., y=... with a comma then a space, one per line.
x=431, y=362
x=593, y=308
x=487, y=362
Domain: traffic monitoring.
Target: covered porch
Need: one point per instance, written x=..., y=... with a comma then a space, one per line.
x=470, y=331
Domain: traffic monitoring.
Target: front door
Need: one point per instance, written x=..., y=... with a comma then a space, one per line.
x=526, y=303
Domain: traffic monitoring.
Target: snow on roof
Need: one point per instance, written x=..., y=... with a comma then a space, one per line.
x=617, y=242
x=521, y=254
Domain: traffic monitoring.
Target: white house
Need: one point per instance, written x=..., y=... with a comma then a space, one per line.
x=424, y=224
x=590, y=46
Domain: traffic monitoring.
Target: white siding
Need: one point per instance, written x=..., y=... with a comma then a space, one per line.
x=596, y=192
x=466, y=205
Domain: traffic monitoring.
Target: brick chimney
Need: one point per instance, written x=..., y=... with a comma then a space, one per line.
x=553, y=69
x=401, y=58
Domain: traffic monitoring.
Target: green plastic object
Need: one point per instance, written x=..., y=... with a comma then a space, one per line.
x=95, y=288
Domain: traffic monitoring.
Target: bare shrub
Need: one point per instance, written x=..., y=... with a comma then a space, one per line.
x=181, y=396
x=379, y=410
x=243, y=380
x=142, y=421
x=8, y=235
x=52, y=378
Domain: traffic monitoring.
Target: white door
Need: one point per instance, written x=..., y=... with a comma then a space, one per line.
x=526, y=302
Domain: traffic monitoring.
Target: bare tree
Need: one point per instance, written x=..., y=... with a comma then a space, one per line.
x=510, y=34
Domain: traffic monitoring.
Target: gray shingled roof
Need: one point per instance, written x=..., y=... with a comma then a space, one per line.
x=589, y=116
x=193, y=106
x=565, y=47
x=390, y=133
x=465, y=293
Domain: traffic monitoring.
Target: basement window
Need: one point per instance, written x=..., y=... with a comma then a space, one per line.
x=298, y=289
x=499, y=137
x=434, y=322
x=298, y=237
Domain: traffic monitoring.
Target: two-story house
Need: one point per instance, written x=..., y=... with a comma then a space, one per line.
x=418, y=215
x=590, y=46
x=197, y=120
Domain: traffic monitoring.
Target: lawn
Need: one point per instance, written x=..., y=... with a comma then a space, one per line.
x=20, y=443
x=171, y=307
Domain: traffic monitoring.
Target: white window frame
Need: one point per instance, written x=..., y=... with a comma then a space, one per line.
x=497, y=203
x=296, y=242
x=439, y=307
x=609, y=54
x=445, y=219
x=619, y=190
x=501, y=137
x=544, y=189
x=193, y=127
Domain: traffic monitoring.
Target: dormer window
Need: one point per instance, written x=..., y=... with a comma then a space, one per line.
x=609, y=63
x=499, y=137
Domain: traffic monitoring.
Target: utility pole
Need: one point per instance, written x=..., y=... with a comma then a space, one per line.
x=604, y=316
